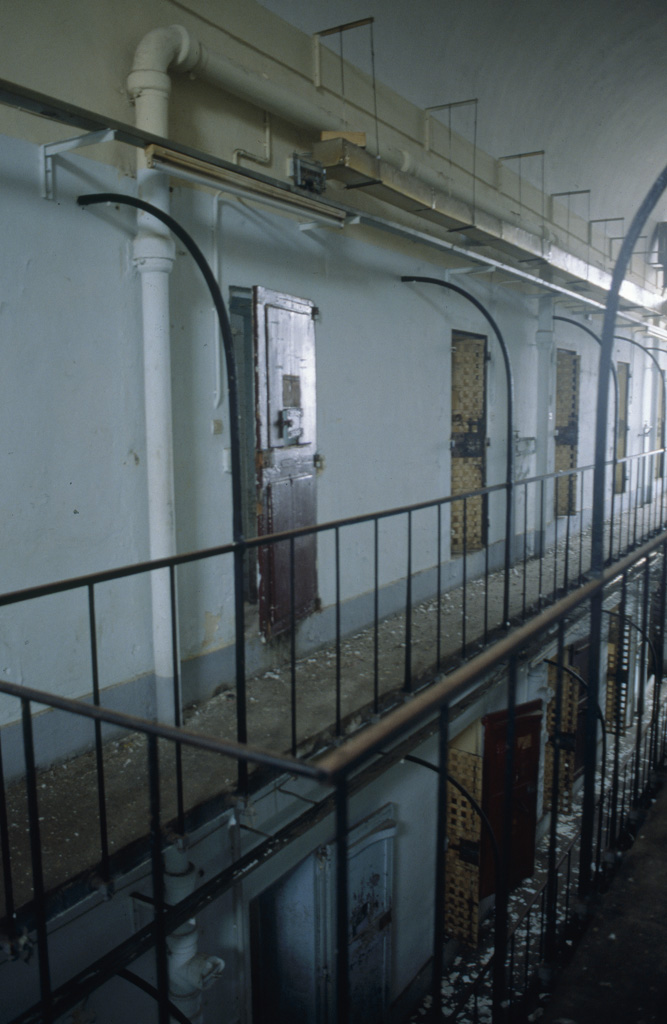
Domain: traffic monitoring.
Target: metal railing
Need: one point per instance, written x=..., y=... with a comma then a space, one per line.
x=470, y=660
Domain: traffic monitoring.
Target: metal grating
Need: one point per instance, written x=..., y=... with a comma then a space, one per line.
x=464, y=829
x=617, y=675
x=568, y=734
x=567, y=430
x=468, y=440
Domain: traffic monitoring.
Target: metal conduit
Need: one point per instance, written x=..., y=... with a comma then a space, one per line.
x=235, y=444
x=597, y=539
x=510, y=425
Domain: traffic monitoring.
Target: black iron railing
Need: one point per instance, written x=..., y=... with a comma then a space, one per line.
x=550, y=588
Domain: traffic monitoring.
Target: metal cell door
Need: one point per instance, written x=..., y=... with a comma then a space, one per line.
x=293, y=933
x=524, y=793
x=289, y=950
x=468, y=440
x=286, y=441
x=567, y=431
x=370, y=917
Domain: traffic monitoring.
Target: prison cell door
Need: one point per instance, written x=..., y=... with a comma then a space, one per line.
x=623, y=375
x=292, y=933
x=286, y=420
x=468, y=440
x=524, y=792
x=288, y=947
x=567, y=431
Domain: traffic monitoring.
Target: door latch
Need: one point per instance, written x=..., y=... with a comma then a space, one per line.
x=291, y=423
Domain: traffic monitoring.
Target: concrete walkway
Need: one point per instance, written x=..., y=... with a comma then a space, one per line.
x=619, y=971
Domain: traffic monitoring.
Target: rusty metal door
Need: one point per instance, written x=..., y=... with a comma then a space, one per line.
x=623, y=375
x=524, y=794
x=567, y=430
x=285, y=399
x=468, y=440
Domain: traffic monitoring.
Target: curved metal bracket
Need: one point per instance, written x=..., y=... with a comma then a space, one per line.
x=510, y=428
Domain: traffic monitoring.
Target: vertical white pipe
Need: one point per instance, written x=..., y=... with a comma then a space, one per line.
x=154, y=252
x=154, y=269
x=189, y=970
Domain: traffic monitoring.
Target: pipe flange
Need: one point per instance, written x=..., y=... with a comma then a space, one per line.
x=153, y=252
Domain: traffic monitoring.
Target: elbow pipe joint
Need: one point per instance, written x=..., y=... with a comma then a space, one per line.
x=190, y=971
x=162, y=50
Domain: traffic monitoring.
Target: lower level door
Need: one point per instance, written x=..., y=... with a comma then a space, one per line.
x=524, y=791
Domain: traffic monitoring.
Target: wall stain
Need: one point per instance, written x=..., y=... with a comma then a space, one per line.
x=211, y=623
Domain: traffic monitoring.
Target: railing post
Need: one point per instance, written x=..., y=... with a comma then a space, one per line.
x=99, y=755
x=407, y=676
x=659, y=655
x=500, y=981
x=342, y=951
x=157, y=870
x=464, y=589
x=613, y=826
x=338, y=653
x=37, y=865
x=10, y=910
x=292, y=606
x=440, y=865
x=552, y=876
x=642, y=681
x=239, y=634
x=178, y=718
x=590, y=747
x=376, y=618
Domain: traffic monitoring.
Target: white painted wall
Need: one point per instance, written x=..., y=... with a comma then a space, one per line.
x=74, y=499
x=73, y=409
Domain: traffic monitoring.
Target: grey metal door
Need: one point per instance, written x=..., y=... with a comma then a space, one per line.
x=292, y=933
x=285, y=398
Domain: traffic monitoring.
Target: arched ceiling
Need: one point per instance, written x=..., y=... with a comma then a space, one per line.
x=584, y=80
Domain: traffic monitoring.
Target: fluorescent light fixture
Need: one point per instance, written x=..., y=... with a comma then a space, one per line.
x=190, y=168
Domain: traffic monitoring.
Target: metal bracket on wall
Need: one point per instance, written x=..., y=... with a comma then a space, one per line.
x=52, y=149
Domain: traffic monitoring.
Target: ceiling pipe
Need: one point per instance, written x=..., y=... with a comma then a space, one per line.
x=173, y=49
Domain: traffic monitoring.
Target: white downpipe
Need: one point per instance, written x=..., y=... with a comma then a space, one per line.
x=189, y=970
x=161, y=51
x=154, y=250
